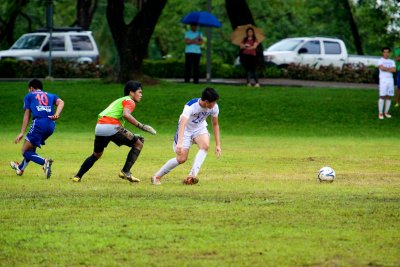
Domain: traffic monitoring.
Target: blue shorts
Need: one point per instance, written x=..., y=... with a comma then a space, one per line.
x=40, y=130
x=398, y=79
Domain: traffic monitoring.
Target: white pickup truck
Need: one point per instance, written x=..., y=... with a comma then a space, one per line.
x=315, y=52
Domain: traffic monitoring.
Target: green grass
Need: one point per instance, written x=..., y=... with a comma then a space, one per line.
x=258, y=205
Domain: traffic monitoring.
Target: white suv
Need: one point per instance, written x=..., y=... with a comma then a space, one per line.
x=67, y=43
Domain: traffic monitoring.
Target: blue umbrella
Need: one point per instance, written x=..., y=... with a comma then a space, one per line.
x=202, y=18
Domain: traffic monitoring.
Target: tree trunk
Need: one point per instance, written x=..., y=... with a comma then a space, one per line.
x=132, y=40
x=353, y=27
x=84, y=12
x=7, y=24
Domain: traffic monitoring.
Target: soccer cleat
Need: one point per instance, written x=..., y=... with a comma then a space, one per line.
x=156, y=180
x=128, y=176
x=76, y=179
x=15, y=166
x=249, y=84
x=47, y=167
x=257, y=85
x=396, y=105
x=380, y=116
x=387, y=115
x=190, y=180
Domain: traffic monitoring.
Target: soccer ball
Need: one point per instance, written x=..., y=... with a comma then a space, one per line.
x=326, y=174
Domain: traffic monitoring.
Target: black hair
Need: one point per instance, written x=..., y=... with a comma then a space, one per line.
x=209, y=94
x=254, y=34
x=386, y=48
x=36, y=84
x=132, y=86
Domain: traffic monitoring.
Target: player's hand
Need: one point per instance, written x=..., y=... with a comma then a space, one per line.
x=54, y=117
x=218, y=151
x=18, y=138
x=147, y=128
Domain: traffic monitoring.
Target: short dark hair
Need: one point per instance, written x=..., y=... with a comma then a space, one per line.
x=386, y=48
x=35, y=83
x=132, y=86
x=209, y=94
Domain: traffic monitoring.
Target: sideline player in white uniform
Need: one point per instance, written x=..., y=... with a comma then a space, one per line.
x=192, y=128
x=387, y=67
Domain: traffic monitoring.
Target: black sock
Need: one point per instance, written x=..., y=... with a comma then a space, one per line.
x=130, y=159
x=87, y=164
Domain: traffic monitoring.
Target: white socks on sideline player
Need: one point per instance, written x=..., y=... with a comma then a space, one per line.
x=380, y=105
x=387, y=105
x=198, y=161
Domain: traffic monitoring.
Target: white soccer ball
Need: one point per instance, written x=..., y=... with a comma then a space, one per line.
x=326, y=174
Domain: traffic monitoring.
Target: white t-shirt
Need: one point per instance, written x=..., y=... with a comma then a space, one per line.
x=197, y=115
x=388, y=63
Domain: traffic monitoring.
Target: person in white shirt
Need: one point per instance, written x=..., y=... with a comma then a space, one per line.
x=387, y=67
x=192, y=128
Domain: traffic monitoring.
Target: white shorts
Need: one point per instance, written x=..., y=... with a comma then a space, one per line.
x=188, y=137
x=386, y=87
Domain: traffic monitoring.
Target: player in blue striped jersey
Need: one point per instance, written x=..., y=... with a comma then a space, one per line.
x=39, y=105
x=192, y=128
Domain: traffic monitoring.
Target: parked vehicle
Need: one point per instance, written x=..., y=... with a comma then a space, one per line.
x=67, y=43
x=314, y=51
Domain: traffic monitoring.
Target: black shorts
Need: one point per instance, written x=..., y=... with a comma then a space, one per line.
x=101, y=142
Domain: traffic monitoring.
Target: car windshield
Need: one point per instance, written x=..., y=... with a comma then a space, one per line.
x=285, y=45
x=29, y=42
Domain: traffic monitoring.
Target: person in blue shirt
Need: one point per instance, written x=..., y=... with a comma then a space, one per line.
x=39, y=105
x=193, y=40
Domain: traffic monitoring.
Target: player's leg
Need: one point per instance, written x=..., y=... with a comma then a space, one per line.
x=398, y=90
x=389, y=94
x=381, y=100
x=100, y=142
x=174, y=162
x=203, y=143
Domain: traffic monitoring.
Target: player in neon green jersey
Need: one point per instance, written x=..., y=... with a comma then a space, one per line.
x=110, y=127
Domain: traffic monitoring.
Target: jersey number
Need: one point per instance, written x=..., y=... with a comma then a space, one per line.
x=43, y=100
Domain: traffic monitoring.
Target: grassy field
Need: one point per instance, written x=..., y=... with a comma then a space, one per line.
x=258, y=205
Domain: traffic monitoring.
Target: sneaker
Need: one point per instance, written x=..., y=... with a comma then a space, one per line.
x=156, y=180
x=128, y=176
x=257, y=85
x=396, y=105
x=190, y=180
x=387, y=115
x=47, y=167
x=380, y=116
x=76, y=179
x=15, y=166
x=249, y=84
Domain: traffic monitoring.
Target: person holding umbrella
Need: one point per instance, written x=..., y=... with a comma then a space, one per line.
x=193, y=40
x=248, y=55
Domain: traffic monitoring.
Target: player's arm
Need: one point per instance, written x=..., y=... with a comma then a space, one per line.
x=182, y=124
x=215, y=127
x=60, y=106
x=126, y=113
x=387, y=69
x=25, y=121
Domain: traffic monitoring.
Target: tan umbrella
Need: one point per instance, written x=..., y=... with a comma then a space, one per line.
x=239, y=34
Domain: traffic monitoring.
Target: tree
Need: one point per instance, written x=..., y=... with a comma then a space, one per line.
x=84, y=13
x=132, y=39
x=353, y=27
x=12, y=9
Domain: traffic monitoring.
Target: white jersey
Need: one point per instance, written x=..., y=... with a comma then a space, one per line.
x=197, y=115
x=388, y=63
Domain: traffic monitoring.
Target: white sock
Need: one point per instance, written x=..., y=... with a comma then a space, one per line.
x=387, y=105
x=169, y=166
x=198, y=161
x=380, y=105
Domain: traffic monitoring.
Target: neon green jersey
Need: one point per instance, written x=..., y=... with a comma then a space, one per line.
x=113, y=113
x=397, y=54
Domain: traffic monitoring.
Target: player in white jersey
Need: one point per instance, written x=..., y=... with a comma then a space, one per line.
x=387, y=67
x=192, y=128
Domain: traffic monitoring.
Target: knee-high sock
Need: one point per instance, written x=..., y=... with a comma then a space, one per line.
x=130, y=159
x=380, y=105
x=387, y=105
x=31, y=155
x=24, y=164
x=169, y=166
x=198, y=161
x=87, y=164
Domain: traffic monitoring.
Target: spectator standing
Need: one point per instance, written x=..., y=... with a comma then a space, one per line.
x=193, y=40
x=397, y=60
x=387, y=67
x=248, y=56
